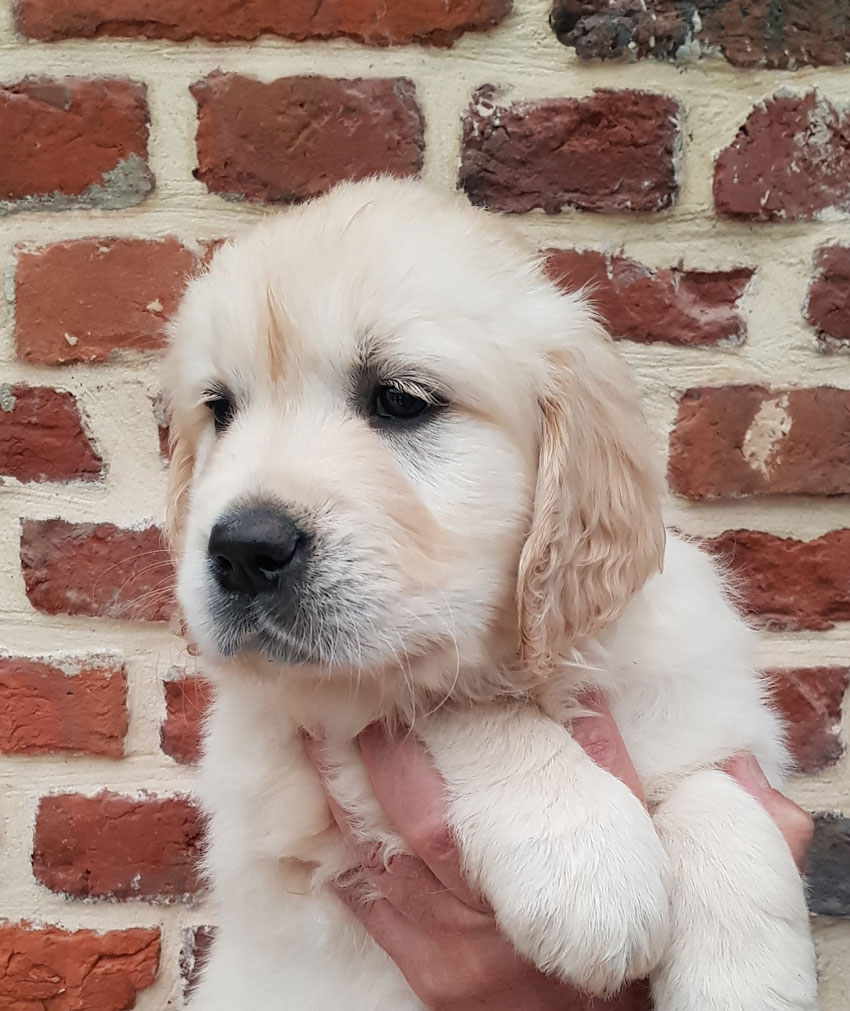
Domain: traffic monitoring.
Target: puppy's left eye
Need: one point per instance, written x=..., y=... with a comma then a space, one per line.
x=222, y=408
x=394, y=404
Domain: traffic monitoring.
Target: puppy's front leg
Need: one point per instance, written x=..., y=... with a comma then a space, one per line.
x=740, y=929
x=566, y=855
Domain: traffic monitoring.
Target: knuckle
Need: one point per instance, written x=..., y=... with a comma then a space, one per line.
x=433, y=841
x=599, y=740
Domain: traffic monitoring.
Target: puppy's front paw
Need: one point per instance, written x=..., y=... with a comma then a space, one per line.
x=591, y=904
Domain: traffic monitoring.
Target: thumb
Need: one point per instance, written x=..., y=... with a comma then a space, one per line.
x=596, y=731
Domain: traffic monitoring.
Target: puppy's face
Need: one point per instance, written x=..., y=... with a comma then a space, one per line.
x=359, y=404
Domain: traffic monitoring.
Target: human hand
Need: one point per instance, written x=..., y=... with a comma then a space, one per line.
x=442, y=937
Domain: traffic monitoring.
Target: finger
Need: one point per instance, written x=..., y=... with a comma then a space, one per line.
x=394, y=932
x=795, y=824
x=412, y=794
x=405, y=881
x=597, y=733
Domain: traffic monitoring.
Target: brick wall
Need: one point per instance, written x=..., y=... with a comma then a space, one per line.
x=690, y=159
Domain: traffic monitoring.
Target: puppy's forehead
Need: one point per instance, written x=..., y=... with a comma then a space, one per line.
x=412, y=282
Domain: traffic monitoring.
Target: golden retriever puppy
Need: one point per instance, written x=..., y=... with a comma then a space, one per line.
x=411, y=481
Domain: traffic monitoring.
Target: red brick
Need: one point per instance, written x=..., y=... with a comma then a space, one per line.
x=187, y=702
x=788, y=162
x=88, y=300
x=748, y=440
x=73, y=142
x=828, y=304
x=612, y=151
x=194, y=951
x=77, y=708
x=375, y=22
x=296, y=137
x=785, y=583
x=670, y=305
x=759, y=33
x=112, y=846
x=810, y=700
x=51, y=969
x=42, y=437
x=95, y=569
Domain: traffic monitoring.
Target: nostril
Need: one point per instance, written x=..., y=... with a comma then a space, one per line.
x=271, y=566
x=223, y=563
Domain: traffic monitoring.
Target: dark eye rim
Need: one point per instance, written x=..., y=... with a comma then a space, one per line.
x=221, y=405
x=421, y=405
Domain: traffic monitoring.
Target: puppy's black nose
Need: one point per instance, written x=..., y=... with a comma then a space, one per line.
x=251, y=550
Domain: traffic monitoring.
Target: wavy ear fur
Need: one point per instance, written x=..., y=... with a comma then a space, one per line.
x=180, y=468
x=597, y=532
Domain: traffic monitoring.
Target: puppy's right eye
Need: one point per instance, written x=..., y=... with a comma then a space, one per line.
x=222, y=409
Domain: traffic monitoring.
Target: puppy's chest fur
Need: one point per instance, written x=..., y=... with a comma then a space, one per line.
x=683, y=694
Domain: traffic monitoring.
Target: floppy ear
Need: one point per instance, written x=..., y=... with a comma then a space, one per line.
x=180, y=467
x=597, y=531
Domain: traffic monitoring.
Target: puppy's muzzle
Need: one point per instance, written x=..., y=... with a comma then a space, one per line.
x=257, y=550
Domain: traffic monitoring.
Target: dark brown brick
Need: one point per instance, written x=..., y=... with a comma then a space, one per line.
x=73, y=142
x=828, y=305
x=195, y=946
x=788, y=162
x=112, y=846
x=612, y=151
x=295, y=138
x=375, y=22
x=42, y=437
x=759, y=33
x=747, y=440
x=670, y=305
x=95, y=569
x=810, y=700
x=785, y=583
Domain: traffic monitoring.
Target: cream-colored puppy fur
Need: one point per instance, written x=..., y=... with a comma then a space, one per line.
x=467, y=572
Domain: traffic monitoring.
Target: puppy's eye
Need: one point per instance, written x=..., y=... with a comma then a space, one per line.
x=222, y=409
x=394, y=404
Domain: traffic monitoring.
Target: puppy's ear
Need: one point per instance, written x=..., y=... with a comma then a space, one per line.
x=180, y=468
x=597, y=532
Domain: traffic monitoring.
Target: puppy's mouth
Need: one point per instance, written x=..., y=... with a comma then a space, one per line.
x=253, y=629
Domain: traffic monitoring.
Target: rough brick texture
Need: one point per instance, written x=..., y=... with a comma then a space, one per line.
x=112, y=846
x=187, y=701
x=42, y=437
x=810, y=700
x=194, y=949
x=759, y=33
x=50, y=969
x=73, y=142
x=78, y=708
x=88, y=300
x=828, y=304
x=612, y=151
x=788, y=162
x=748, y=440
x=375, y=22
x=296, y=137
x=670, y=305
x=828, y=866
x=786, y=583
x=99, y=570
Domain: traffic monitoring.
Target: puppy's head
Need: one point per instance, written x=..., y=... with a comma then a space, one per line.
x=393, y=439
